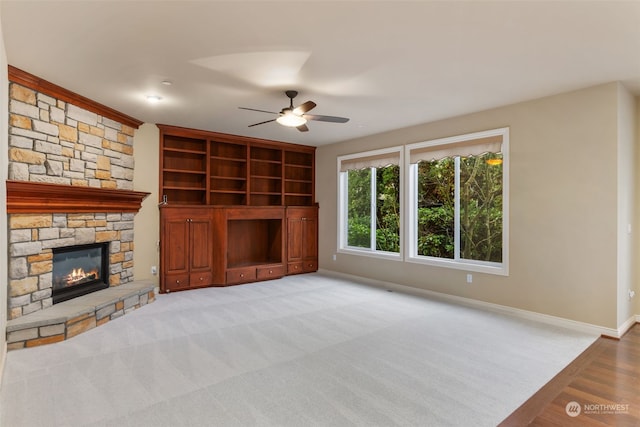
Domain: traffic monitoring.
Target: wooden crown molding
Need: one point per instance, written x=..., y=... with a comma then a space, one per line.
x=37, y=197
x=226, y=137
x=23, y=78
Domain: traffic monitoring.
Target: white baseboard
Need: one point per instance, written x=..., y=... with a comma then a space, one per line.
x=622, y=329
x=503, y=309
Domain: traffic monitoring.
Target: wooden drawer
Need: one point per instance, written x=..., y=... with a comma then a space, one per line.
x=174, y=282
x=295, y=267
x=240, y=275
x=270, y=272
x=310, y=265
x=200, y=279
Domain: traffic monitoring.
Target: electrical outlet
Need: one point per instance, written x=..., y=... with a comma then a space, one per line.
x=154, y=270
x=334, y=257
x=469, y=278
x=632, y=293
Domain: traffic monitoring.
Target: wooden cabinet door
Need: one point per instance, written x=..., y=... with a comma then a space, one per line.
x=200, y=250
x=302, y=239
x=176, y=246
x=294, y=239
x=310, y=237
x=187, y=249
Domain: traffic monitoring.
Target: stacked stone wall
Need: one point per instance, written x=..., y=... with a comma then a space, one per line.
x=32, y=238
x=56, y=142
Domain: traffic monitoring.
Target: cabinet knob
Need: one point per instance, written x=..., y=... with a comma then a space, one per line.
x=177, y=282
x=270, y=271
x=296, y=267
x=201, y=279
x=241, y=274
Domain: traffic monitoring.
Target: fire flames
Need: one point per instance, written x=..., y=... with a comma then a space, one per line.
x=78, y=275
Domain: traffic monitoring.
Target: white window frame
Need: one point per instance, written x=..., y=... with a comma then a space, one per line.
x=343, y=222
x=410, y=211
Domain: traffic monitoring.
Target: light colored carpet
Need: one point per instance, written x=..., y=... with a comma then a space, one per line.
x=304, y=350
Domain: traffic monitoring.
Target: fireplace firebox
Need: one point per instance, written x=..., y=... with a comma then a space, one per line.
x=79, y=270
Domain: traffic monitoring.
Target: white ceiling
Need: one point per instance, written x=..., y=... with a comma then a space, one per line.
x=384, y=64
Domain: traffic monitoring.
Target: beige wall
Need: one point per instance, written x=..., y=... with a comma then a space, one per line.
x=636, y=234
x=146, y=221
x=563, y=208
x=4, y=160
x=626, y=199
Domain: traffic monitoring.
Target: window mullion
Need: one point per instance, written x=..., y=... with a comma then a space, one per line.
x=343, y=202
x=456, y=209
x=413, y=210
x=373, y=209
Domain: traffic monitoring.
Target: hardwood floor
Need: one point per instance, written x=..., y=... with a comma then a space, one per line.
x=601, y=387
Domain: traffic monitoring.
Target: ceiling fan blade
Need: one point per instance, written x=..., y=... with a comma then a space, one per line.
x=303, y=108
x=332, y=119
x=261, y=123
x=303, y=128
x=262, y=111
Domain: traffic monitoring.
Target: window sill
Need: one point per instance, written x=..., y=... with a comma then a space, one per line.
x=489, y=268
x=372, y=254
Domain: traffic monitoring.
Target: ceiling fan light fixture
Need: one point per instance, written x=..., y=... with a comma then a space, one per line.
x=290, y=119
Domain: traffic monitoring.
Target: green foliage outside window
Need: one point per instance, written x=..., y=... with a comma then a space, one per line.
x=480, y=208
x=387, y=208
x=359, y=208
x=436, y=184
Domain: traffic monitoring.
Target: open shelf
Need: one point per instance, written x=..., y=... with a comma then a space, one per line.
x=181, y=144
x=232, y=170
x=255, y=242
x=185, y=196
x=265, y=186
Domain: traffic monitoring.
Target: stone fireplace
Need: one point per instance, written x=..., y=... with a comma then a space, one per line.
x=70, y=185
x=34, y=238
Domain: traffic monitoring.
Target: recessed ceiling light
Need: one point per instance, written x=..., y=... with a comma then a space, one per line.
x=166, y=82
x=154, y=99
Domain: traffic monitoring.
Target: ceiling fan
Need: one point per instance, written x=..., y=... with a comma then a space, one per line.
x=296, y=116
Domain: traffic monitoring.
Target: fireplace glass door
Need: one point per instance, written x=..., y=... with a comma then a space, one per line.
x=79, y=270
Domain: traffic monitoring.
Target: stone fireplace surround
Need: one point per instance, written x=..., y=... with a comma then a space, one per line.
x=70, y=183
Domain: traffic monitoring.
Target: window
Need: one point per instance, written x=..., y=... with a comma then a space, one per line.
x=455, y=209
x=370, y=200
x=458, y=203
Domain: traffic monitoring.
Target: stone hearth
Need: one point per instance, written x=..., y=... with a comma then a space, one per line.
x=70, y=318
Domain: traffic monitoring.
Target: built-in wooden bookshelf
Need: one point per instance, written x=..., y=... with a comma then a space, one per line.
x=209, y=168
x=228, y=173
x=266, y=176
x=235, y=209
x=298, y=178
x=184, y=170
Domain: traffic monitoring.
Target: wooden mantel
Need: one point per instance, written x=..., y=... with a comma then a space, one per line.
x=36, y=197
